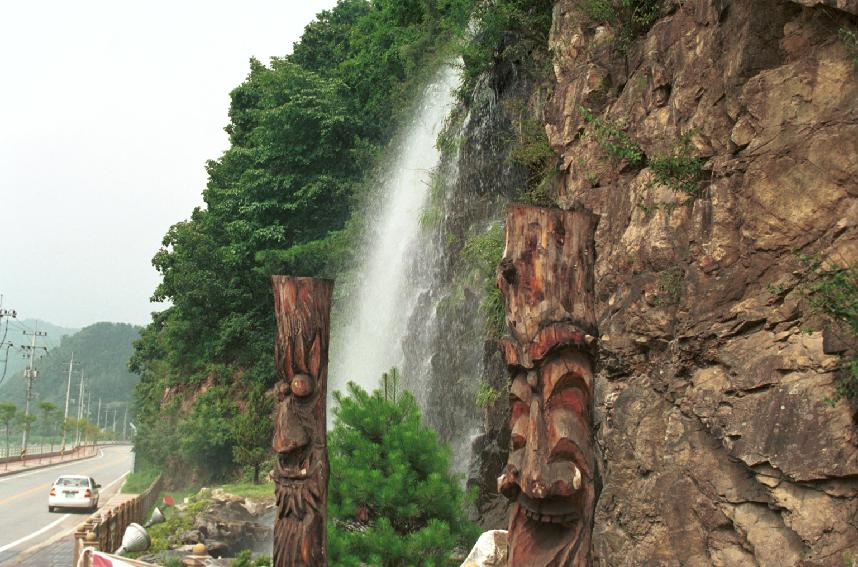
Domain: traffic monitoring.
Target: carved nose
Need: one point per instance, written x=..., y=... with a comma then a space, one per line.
x=537, y=487
x=289, y=435
x=534, y=483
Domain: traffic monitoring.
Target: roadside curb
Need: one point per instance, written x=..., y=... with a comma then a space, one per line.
x=46, y=465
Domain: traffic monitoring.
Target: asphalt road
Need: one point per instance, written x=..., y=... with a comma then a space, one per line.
x=25, y=522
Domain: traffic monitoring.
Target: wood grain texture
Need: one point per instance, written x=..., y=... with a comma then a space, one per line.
x=547, y=280
x=302, y=310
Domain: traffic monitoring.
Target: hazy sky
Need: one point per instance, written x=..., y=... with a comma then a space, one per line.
x=108, y=111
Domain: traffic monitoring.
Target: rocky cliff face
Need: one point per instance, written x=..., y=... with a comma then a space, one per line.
x=716, y=442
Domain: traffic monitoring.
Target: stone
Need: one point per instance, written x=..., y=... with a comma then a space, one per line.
x=717, y=445
x=489, y=551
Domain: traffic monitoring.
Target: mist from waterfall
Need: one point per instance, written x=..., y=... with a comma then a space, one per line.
x=375, y=315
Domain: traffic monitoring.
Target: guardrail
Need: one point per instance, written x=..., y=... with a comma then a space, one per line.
x=104, y=533
x=41, y=456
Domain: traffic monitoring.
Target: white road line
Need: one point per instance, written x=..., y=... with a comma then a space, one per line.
x=37, y=471
x=34, y=534
x=54, y=523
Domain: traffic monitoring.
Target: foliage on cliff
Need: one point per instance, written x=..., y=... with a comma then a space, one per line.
x=305, y=133
x=392, y=500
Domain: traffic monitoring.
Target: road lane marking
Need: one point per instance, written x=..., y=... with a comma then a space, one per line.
x=53, y=524
x=34, y=534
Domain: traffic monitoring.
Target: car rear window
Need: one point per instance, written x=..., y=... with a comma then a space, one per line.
x=73, y=482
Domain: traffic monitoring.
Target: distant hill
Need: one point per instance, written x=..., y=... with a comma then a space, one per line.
x=102, y=349
x=13, y=330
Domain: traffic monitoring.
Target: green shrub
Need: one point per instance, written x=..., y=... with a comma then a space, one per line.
x=508, y=30
x=833, y=292
x=680, y=169
x=670, y=286
x=631, y=18
x=850, y=39
x=532, y=150
x=484, y=252
x=486, y=395
x=392, y=500
x=245, y=559
x=613, y=140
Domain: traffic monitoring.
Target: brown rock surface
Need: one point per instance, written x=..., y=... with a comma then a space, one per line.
x=717, y=446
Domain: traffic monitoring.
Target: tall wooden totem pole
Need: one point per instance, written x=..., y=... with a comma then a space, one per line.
x=302, y=308
x=546, y=277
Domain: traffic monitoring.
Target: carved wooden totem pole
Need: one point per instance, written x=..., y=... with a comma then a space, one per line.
x=302, y=309
x=546, y=277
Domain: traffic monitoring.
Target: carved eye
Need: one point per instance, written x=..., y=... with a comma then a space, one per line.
x=302, y=385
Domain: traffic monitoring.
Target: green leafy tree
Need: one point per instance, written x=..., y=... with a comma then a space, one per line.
x=252, y=431
x=390, y=475
x=7, y=416
x=48, y=409
x=205, y=437
x=306, y=135
x=26, y=422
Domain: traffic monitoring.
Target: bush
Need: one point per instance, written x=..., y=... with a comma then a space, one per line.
x=631, y=18
x=680, y=170
x=613, y=140
x=833, y=292
x=508, y=30
x=392, y=500
x=484, y=251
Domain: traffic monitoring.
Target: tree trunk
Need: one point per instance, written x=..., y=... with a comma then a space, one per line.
x=546, y=277
x=256, y=473
x=302, y=309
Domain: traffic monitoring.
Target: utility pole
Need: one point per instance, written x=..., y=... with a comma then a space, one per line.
x=125, y=423
x=5, y=313
x=66, y=413
x=79, y=409
x=98, y=418
x=30, y=374
x=114, y=419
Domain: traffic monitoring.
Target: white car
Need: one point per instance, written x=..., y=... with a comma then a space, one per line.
x=74, y=491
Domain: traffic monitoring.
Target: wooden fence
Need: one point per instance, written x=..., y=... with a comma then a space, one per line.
x=104, y=532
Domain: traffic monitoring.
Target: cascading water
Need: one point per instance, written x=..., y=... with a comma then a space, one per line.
x=415, y=302
x=369, y=340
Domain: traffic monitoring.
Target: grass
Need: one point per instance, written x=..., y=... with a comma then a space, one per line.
x=141, y=479
x=249, y=490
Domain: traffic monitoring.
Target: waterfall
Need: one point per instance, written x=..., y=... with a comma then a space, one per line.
x=368, y=339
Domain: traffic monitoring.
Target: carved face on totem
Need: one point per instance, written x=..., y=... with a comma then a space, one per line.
x=298, y=456
x=547, y=283
x=549, y=473
x=301, y=469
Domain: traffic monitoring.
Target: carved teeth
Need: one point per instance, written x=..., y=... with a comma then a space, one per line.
x=576, y=479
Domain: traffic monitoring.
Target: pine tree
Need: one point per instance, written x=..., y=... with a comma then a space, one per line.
x=392, y=500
